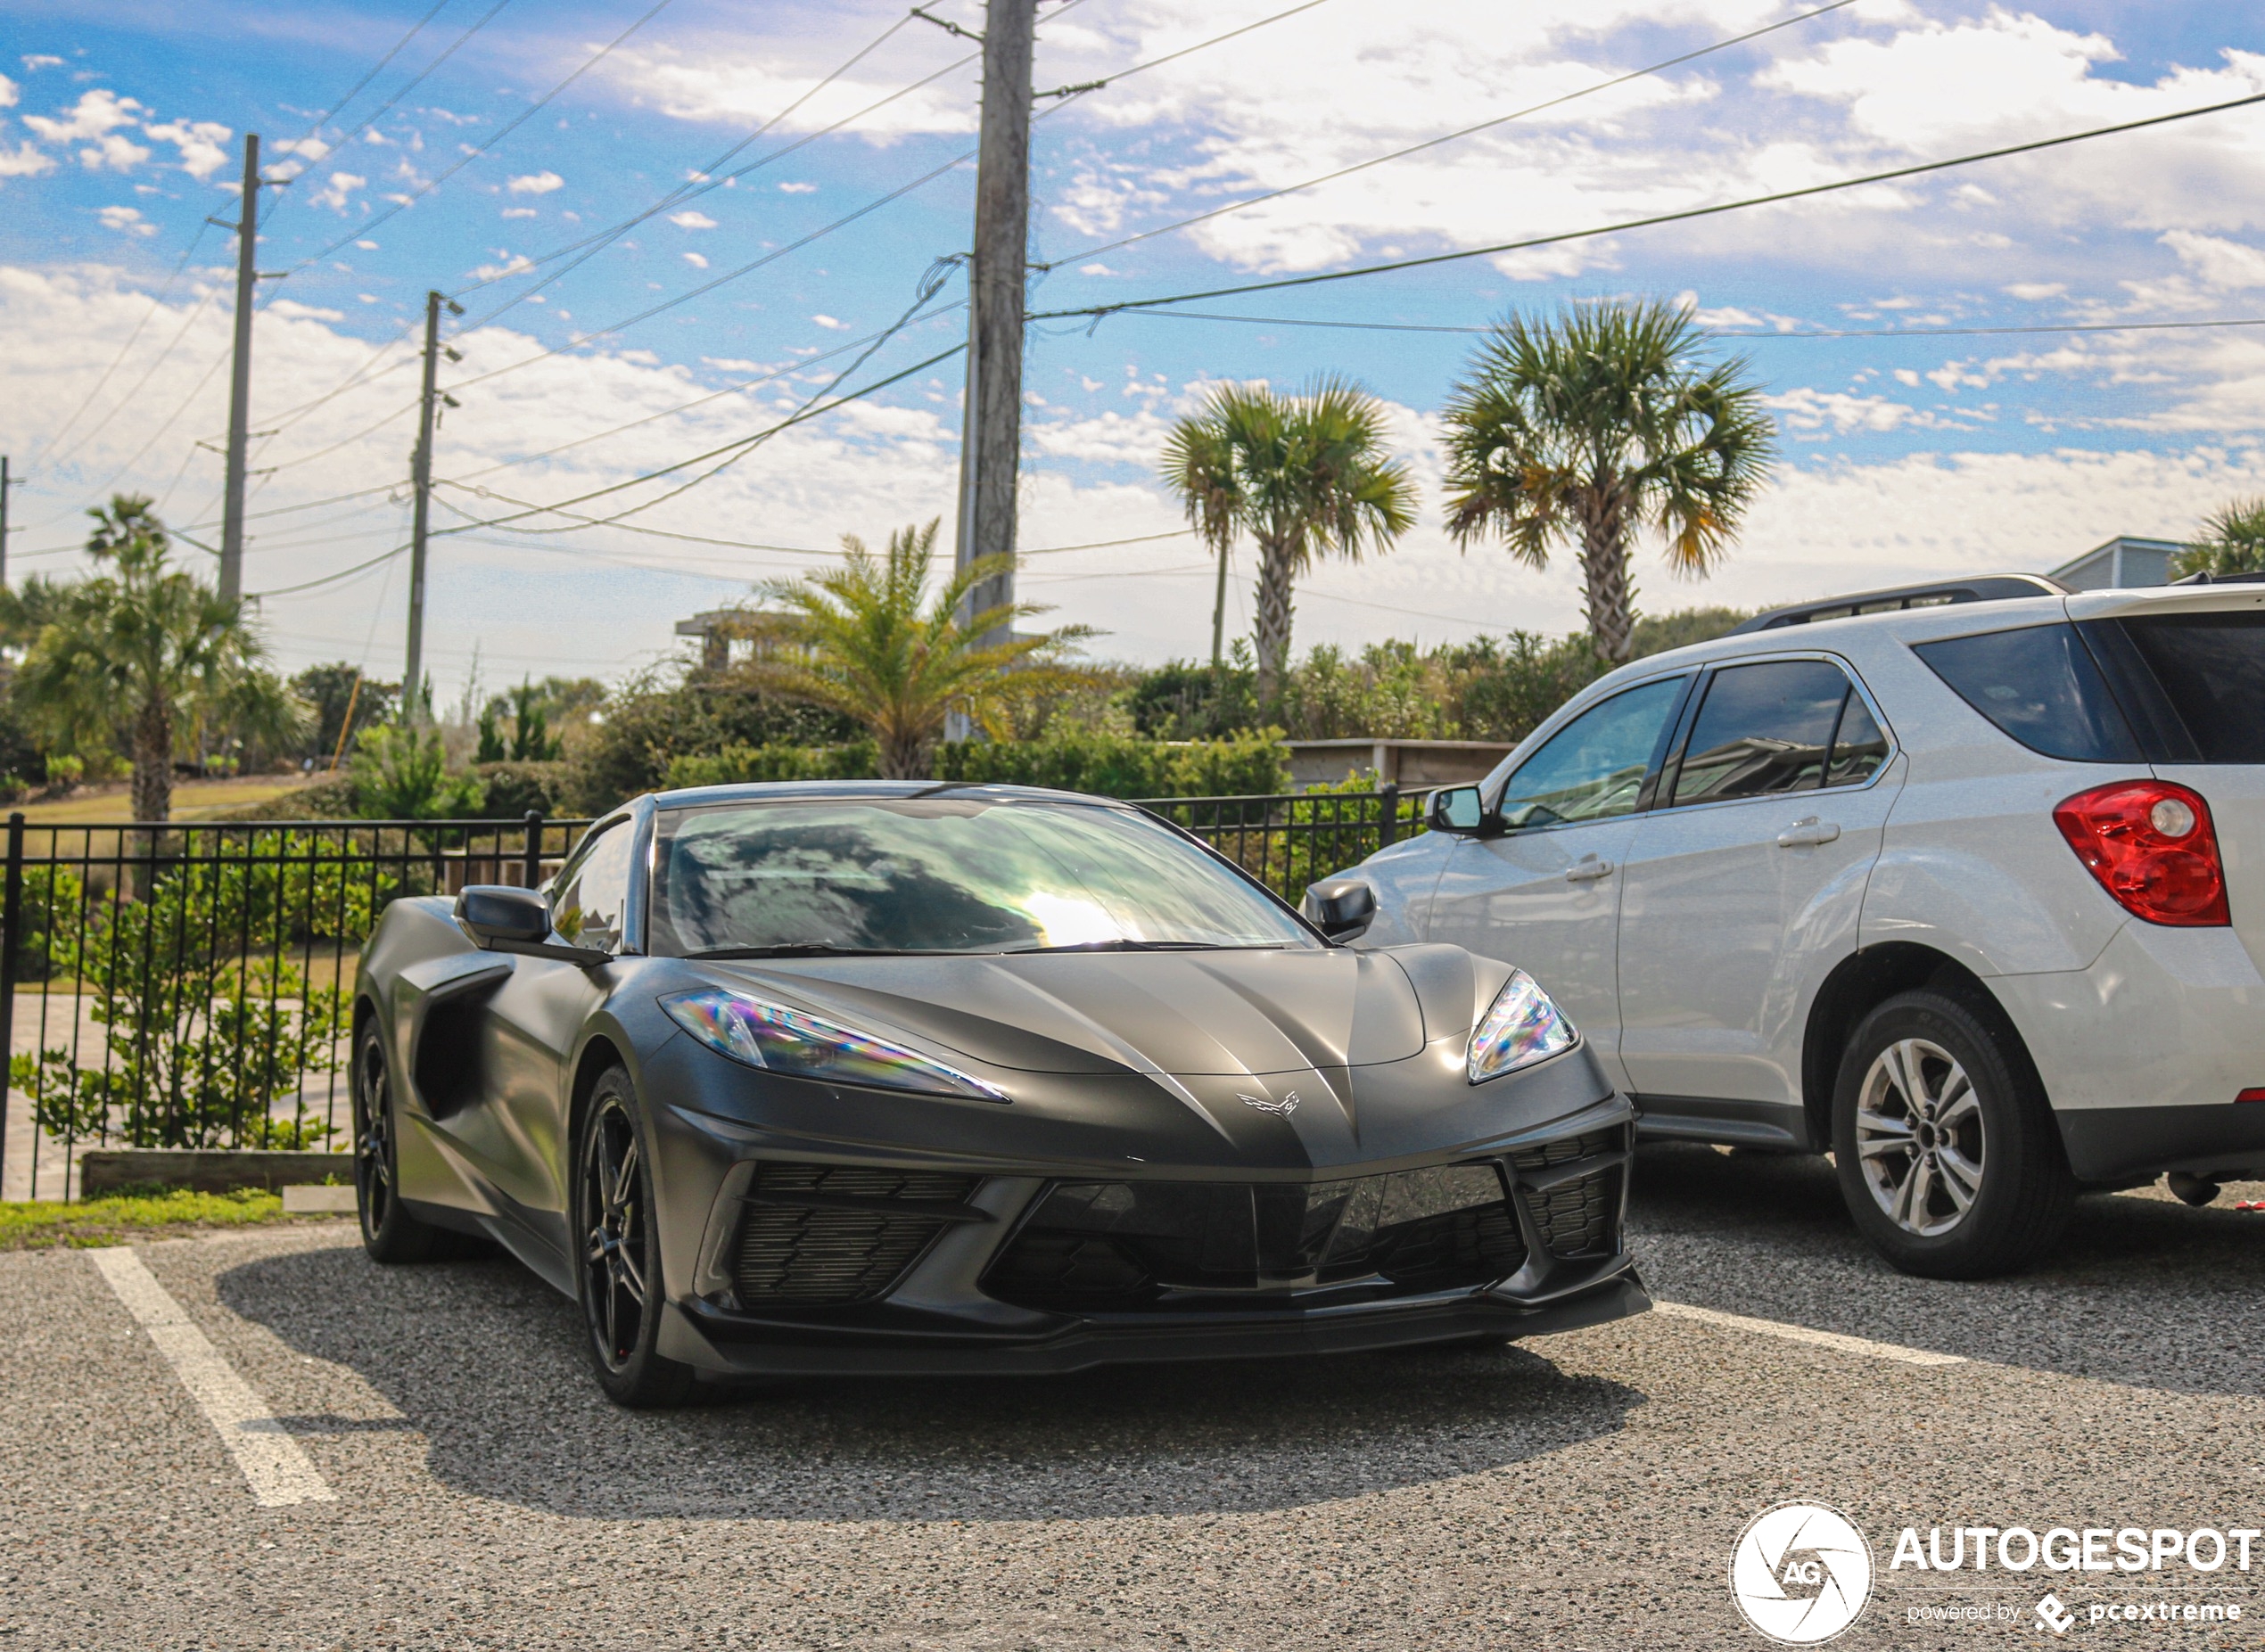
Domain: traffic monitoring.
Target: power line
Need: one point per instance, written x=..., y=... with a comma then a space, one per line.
x=1450, y=137
x=504, y=131
x=419, y=79
x=1726, y=332
x=377, y=69
x=707, y=179
x=1100, y=311
x=156, y=304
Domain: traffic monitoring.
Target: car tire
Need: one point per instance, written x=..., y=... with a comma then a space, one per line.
x=617, y=1268
x=1947, y=1150
x=390, y=1233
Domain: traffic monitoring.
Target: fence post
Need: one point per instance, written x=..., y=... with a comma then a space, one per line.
x=534, y=873
x=11, y=927
x=1390, y=792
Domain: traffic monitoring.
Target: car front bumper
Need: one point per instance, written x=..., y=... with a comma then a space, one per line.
x=786, y=1254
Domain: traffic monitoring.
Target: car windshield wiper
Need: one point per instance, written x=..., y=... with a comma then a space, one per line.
x=795, y=949
x=1123, y=945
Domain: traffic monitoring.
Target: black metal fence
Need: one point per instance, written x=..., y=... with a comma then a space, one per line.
x=192, y=985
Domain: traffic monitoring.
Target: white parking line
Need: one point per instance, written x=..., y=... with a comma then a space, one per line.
x=1803, y=1334
x=271, y=1460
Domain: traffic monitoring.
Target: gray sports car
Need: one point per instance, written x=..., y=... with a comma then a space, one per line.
x=905, y=1078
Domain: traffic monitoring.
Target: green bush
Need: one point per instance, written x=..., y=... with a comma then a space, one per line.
x=402, y=774
x=208, y=1022
x=509, y=789
x=1123, y=766
x=735, y=765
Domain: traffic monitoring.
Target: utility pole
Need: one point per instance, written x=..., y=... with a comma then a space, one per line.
x=991, y=441
x=430, y=402
x=247, y=229
x=5, y=485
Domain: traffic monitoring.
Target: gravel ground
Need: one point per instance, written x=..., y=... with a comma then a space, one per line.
x=1579, y=1491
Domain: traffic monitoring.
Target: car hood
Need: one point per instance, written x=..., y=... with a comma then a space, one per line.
x=1229, y=1012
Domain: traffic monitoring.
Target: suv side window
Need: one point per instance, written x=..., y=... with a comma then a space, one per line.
x=587, y=910
x=1766, y=728
x=1594, y=768
x=2037, y=684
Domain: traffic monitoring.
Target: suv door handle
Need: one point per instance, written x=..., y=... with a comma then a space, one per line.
x=1587, y=870
x=1807, y=831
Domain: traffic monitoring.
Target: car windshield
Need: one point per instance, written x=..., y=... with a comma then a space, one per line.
x=941, y=874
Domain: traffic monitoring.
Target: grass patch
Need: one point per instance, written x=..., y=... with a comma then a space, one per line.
x=85, y=1224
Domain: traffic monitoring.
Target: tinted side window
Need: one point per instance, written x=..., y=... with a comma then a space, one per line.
x=2039, y=685
x=587, y=910
x=2212, y=667
x=1860, y=747
x=1594, y=768
x=1762, y=728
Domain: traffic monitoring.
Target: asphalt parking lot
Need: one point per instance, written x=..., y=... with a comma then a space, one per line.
x=1581, y=1491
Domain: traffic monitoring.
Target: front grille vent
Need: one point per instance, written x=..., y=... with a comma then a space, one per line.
x=1576, y=1217
x=1550, y=1155
x=831, y=1235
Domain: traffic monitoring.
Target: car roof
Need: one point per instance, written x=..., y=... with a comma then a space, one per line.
x=845, y=791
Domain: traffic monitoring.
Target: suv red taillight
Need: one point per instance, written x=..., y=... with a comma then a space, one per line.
x=2152, y=846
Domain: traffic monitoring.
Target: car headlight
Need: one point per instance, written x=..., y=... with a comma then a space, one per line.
x=1523, y=1026
x=779, y=1038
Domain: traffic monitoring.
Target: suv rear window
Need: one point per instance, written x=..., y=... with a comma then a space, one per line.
x=2037, y=684
x=2210, y=667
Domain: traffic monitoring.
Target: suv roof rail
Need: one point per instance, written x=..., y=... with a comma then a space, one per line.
x=1996, y=587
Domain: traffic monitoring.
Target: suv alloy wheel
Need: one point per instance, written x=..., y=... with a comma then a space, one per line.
x=1948, y=1156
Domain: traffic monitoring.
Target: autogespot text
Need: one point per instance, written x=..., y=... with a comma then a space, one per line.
x=2074, y=1549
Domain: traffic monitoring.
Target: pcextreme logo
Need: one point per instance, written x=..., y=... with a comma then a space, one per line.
x=1801, y=1573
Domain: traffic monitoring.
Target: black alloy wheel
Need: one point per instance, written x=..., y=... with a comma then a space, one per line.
x=620, y=1274
x=390, y=1233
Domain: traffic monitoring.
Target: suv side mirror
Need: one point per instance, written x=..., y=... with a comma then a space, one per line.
x=497, y=912
x=1340, y=907
x=1459, y=809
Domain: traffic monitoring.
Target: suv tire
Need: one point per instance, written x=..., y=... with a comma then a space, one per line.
x=1947, y=1153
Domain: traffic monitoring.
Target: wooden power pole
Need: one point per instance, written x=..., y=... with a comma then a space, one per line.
x=991, y=444
x=239, y=375
x=429, y=405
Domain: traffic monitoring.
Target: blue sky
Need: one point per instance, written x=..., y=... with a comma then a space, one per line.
x=1905, y=457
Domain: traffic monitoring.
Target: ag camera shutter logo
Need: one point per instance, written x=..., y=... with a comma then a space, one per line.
x=1801, y=1573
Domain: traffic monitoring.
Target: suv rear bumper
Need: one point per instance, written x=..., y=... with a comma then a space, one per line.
x=2143, y=1053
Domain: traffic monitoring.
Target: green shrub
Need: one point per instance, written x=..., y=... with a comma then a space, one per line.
x=1122, y=766
x=509, y=789
x=735, y=765
x=402, y=774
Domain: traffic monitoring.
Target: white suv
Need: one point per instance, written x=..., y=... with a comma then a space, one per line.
x=1965, y=886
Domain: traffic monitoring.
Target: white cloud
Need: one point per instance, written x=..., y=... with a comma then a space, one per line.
x=199, y=143
x=2216, y=261
x=521, y=212
x=831, y=324
x=1808, y=409
x=98, y=112
x=367, y=246
x=127, y=220
x=292, y=310
x=798, y=189
x=695, y=259
x=113, y=153
x=25, y=161
x=536, y=184
x=2035, y=291
x=512, y=263
x=38, y=61
x=338, y=192
x=7, y=92
x=690, y=219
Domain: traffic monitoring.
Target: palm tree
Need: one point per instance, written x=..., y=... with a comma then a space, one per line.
x=1594, y=427
x=1304, y=475
x=2234, y=543
x=142, y=656
x=865, y=640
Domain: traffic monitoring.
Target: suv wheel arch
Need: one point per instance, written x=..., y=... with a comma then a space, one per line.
x=1859, y=984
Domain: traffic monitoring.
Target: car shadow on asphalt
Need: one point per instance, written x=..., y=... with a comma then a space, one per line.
x=485, y=1361
x=2140, y=1290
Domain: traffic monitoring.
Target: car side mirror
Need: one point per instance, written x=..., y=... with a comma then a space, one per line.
x=1340, y=907
x=497, y=912
x=1459, y=809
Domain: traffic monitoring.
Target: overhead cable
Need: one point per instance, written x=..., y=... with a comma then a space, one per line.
x=1101, y=311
